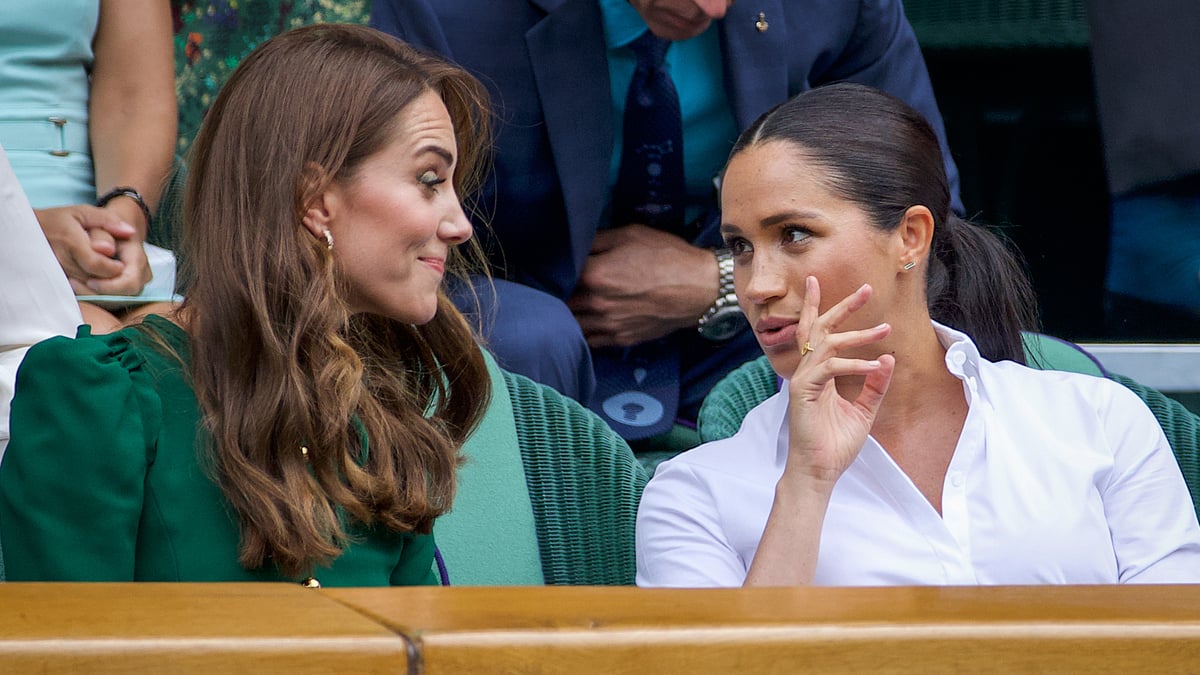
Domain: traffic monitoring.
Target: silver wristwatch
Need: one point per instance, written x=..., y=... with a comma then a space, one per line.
x=723, y=319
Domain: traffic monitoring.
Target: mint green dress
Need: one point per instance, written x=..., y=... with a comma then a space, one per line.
x=103, y=479
x=45, y=59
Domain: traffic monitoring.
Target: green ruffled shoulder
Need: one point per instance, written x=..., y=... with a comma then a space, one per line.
x=107, y=377
x=85, y=421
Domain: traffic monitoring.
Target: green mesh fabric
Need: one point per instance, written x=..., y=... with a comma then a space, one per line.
x=726, y=405
x=1181, y=427
x=584, y=484
x=998, y=24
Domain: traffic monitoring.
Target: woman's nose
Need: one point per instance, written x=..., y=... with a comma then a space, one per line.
x=456, y=228
x=758, y=282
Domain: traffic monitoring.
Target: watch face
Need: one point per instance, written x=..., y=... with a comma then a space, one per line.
x=724, y=324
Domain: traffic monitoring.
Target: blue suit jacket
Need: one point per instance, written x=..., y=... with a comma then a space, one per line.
x=545, y=64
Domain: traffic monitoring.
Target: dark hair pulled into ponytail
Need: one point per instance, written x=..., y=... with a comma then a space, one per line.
x=977, y=284
x=882, y=155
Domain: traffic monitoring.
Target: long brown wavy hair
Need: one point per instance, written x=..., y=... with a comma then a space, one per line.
x=277, y=360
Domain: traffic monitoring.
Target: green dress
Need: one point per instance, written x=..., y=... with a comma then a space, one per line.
x=103, y=479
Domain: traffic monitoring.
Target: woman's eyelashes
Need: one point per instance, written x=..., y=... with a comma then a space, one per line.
x=431, y=180
x=794, y=234
x=788, y=235
x=736, y=245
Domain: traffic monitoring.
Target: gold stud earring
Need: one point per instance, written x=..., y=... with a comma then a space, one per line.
x=909, y=265
x=328, y=240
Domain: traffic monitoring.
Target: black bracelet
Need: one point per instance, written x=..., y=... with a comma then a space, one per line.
x=125, y=191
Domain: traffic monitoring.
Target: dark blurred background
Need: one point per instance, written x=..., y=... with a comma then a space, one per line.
x=1014, y=83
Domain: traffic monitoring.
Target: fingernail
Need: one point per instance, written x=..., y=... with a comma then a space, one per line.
x=93, y=285
x=873, y=364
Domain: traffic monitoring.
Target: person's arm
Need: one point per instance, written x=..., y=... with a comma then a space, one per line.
x=416, y=564
x=681, y=536
x=72, y=479
x=825, y=434
x=1149, y=509
x=133, y=121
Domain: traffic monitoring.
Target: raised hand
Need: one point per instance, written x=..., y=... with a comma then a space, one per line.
x=828, y=419
x=828, y=422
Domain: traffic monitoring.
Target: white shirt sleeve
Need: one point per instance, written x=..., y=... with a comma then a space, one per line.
x=1146, y=501
x=681, y=541
x=36, y=302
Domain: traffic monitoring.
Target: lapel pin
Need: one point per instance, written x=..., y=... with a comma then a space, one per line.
x=762, y=24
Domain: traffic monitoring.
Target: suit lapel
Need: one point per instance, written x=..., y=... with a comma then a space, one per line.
x=756, y=76
x=570, y=66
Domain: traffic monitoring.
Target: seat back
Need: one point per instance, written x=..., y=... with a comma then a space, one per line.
x=548, y=494
x=489, y=537
x=726, y=405
x=584, y=485
x=1181, y=427
x=998, y=24
x=1046, y=352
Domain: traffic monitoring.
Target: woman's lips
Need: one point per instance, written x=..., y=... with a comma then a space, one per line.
x=777, y=336
x=437, y=264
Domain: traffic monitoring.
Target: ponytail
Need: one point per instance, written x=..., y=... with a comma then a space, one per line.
x=978, y=285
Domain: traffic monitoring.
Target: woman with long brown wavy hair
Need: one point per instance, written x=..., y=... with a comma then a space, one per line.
x=302, y=413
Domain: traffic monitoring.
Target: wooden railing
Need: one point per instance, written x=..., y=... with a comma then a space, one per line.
x=278, y=627
x=210, y=628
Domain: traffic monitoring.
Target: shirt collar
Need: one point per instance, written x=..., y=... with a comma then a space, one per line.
x=961, y=353
x=622, y=23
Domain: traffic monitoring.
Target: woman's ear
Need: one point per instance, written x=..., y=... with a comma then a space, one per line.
x=915, y=235
x=318, y=199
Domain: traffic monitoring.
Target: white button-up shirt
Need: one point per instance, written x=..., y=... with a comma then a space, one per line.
x=1057, y=478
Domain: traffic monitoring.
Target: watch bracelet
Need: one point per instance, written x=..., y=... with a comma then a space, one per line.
x=726, y=294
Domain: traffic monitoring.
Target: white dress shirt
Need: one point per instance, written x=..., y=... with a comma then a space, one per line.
x=1057, y=478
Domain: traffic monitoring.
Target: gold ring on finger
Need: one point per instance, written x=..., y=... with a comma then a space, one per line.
x=805, y=348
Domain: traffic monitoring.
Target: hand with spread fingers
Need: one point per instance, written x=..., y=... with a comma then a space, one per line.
x=834, y=395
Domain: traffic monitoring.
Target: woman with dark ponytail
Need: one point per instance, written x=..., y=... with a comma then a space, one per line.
x=909, y=445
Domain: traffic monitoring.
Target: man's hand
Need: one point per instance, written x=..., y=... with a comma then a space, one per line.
x=640, y=284
x=100, y=253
